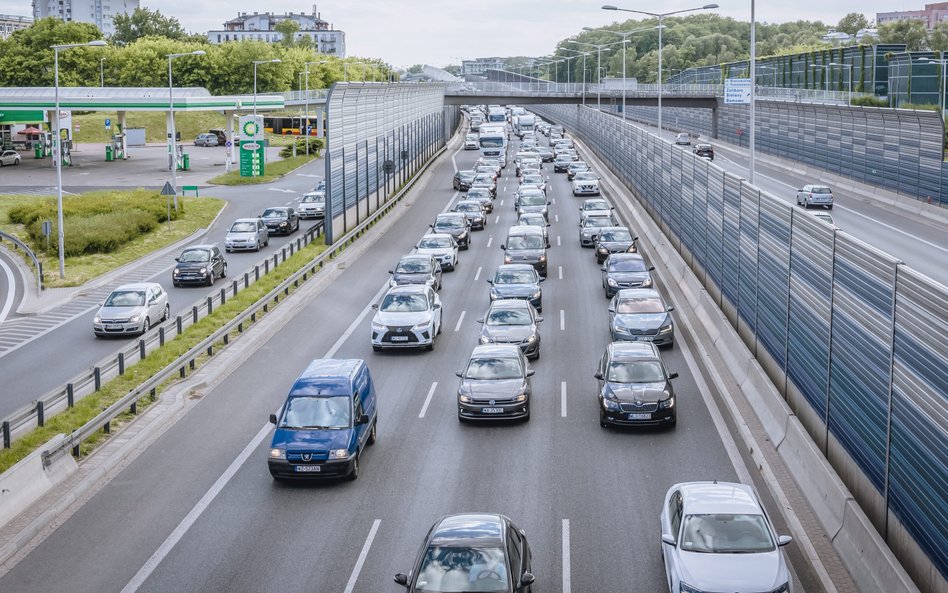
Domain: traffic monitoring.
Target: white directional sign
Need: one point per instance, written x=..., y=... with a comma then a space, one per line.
x=737, y=91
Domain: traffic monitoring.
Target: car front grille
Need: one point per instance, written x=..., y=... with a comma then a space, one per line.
x=314, y=456
x=403, y=331
x=639, y=407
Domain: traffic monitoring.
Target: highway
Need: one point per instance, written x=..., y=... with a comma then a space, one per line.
x=61, y=342
x=198, y=511
x=11, y=285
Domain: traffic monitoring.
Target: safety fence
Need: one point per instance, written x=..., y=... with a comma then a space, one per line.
x=855, y=341
x=17, y=244
x=378, y=136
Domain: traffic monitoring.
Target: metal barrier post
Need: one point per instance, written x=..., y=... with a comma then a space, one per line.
x=97, y=376
x=40, y=415
x=210, y=305
x=121, y=363
x=6, y=434
x=70, y=395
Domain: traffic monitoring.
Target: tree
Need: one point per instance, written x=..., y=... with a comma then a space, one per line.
x=305, y=42
x=911, y=32
x=938, y=37
x=416, y=69
x=145, y=23
x=26, y=57
x=289, y=28
x=852, y=23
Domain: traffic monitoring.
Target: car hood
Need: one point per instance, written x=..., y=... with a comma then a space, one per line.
x=311, y=440
x=633, y=392
x=508, y=333
x=494, y=389
x=540, y=208
x=189, y=265
x=640, y=320
x=453, y=231
x=524, y=254
x=120, y=312
x=241, y=236
x=275, y=220
x=628, y=276
x=614, y=245
x=435, y=251
x=402, y=319
x=515, y=290
x=404, y=278
x=733, y=572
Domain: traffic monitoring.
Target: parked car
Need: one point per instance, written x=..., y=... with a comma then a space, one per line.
x=312, y=205
x=640, y=315
x=408, y=317
x=471, y=552
x=625, y=270
x=456, y=225
x=517, y=281
x=471, y=142
x=586, y=183
x=634, y=387
x=526, y=245
x=716, y=536
x=683, y=139
x=199, y=264
x=815, y=195
x=441, y=246
x=206, y=140
x=495, y=384
x=463, y=179
x=512, y=321
x=328, y=418
x=281, y=219
x=9, y=157
x=704, y=150
x=590, y=226
x=247, y=234
x=417, y=268
x=131, y=309
x=616, y=239
x=538, y=220
x=474, y=212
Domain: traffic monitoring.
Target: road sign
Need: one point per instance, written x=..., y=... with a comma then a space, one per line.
x=167, y=190
x=228, y=144
x=47, y=228
x=108, y=124
x=737, y=91
x=388, y=167
x=252, y=159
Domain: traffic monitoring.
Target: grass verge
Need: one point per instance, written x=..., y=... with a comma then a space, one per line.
x=188, y=123
x=198, y=213
x=275, y=170
x=90, y=406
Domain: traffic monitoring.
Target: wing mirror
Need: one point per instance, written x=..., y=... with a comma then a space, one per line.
x=783, y=540
x=668, y=539
x=670, y=309
x=458, y=373
x=530, y=372
x=527, y=579
x=177, y=259
x=391, y=271
x=542, y=278
x=672, y=376
x=364, y=419
x=651, y=268
x=402, y=579
x=490, y=280
x=539, y=319
x=597, y=375
x=504, y=247
x=375, y=306
x=273, y=418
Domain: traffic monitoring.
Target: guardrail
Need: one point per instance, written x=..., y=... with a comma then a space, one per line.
x=36, y=262
x=35, y=414
x=314, y=95
x=206, y=347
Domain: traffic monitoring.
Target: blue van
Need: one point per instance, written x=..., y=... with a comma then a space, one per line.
x=328, y=418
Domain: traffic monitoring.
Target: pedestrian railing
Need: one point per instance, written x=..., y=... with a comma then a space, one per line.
x=29, y=253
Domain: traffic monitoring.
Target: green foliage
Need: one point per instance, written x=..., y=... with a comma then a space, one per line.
x=315, y=147
x=911, y=32
x=852, y=23
x=288, y=28
x=938, y=37
x=416, y=69
x=27, y=60
x=145, y=23
x=870, y=101
x=274, y=171
x=919, y=106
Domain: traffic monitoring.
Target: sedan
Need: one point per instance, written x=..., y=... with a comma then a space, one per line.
x=634, y=387
x=595, y=207
x=442, y=247
x=625, y=270
x=704, y=150
x=716, y=536
x=463, y=179
x=281, y=219
x=561, y=163
x=9, y=157
x=485, y=180
x=407, y=317
x=312, y=205
x=815, y=195
x=482, y=195
x=538, y=220
x=495, y=384
x=247, y=234
x=616, y=239
x=575, y=167
x=512, y=321
x=683, y=139
x=590, y=226
x=456, y=225
x=474, y=212
x=131, y=309
x=199, y=264
x=517, y=281
x=471, y=142
x=640, y=315
x=417, y=269
x=532, y=180
x=471, y=552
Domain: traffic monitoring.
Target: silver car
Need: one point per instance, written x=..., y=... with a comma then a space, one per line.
x=9, y=157
x=312, y=205
x=815, y=195
x=247, y=234
x=131, y=309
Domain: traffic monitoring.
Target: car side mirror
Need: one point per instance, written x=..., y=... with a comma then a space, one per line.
x=668, y=539
x=430, y=226
x=490, y=281
x=177, y=259
x=783, y=540
x=531, y=372
x=402, y=579
x=364, y=419
x=635, y=238
x=437, y=305
x=603, y=268
x=539, y=319
x=651, y=268
x=597, y=375
x=458, y=373
x=480, y=321
x=504, y=247
x=673, y=376
x=391, y=272
x=612, y=309
x=670, y=309
x=273, y=418
x=375, y=306
x=542, y=279
x=526, y=579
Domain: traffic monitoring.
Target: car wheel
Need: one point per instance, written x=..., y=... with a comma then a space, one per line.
x=227, y=250
x=266, y=242
x=373, y=434
x=602, y=421
x=462, y=419
x=527, y=417
x=167, y=313
x=146, y=326
x=830, y=207
x=354, y=474
x=806, y=203
x=175, y=284
x=430, y=346
x=210, y=278
x=258, y=247
x=224, y=271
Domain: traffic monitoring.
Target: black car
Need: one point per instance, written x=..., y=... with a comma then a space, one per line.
x=199, y=264
x=495, y=384
x=640, y=315
x=455, y=224
x=517, y=281
x=705, y=150
x=463, y=180
x=634, y=387
x=471, y=552
x=482, y=195
x=417, y=269
x=474, y=212
x=616, y=239
x=512, y=321
x=281, y=219
x=625, y=270
x=561, y=163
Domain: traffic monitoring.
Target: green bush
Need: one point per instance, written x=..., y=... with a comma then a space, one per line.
x=870, y=101
x=920, y=106
x=315, y=147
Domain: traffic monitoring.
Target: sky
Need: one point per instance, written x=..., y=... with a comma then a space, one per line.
x=440, y=32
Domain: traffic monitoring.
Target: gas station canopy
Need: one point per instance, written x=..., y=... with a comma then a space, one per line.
x=130, y=99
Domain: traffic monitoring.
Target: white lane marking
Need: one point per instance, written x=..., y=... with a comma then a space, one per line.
x=166, y=546
x=553, y=200
x=450, y=202
x=562, y=320
x=556, y=217
x=11, y=282
x=505, y=188
x=490, y=240
x=497, y=220
x=355, y=323
x=558, y=242
x=501, y=202
x=424, y=408
x=457, y=327
x=567, y=586
x=563, y=399
x=281, y=190
x=290, y=202
x=453, y=162
x=561, y=272
x=478, y=274
x=362, y=556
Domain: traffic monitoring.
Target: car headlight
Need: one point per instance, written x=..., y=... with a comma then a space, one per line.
x=283, y=223
x=620, y=329
x=378, y=327
x=611, y=282
x=667, y=403
x=536, y=295
x=610, y=405
x=392, y=283
x=531, y=339
x=603, y=250
x=338, y=453
x=647, y=282
x=175, y=272
x=203, y=271
x=521, y=398
x=277, y=453
x=135, y=318
x=97, y=319
x=508, y=259
x=464, y=399
x=686, y=588
x=542, y=258
x=666, y=329
x=429, y=281
x=421, y=326
x=784, y=588
x=486, y=340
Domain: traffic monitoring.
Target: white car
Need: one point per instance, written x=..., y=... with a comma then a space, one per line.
x=442, y=246
x=595, y=207
x=586, y=183
x=312, y=205
x=131, y=309
x=9, y=157
x=716, y=536
x=409, y=316
x=815, y=195
x=535, y=180
x=471, y=143
x=683, y=139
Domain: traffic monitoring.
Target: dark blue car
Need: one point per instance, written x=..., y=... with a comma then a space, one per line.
x=328, y=418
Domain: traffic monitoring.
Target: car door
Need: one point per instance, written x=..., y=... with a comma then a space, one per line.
x=262, y=231
x=294, y=217
x=154, y=304
x=515, y=557
x=438, y=272
x=217, y=262
x=359, y=429
x=673, y=525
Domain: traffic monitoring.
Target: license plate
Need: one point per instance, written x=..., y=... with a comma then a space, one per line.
x=399, y=338
x=309, y=468
x=640, y=416
x=645, y=338
x=113, y=326
x=492, y=410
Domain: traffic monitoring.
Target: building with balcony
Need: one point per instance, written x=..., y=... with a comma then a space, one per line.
x=9, y=24
x=931, y=15
x=98, y=12
x=261, y=26
x=481, y=65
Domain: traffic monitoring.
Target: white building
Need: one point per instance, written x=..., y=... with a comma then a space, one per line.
x=261, y=26
x=98, y=12
x=9, y=24
x=481, y=65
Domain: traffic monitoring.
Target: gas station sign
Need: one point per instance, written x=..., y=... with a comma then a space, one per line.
x=252, y=158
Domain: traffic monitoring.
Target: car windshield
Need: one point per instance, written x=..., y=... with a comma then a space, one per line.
x=820, y=190
x=243, y=227
x=646, y=305
x=195, y=255
x=486, y=368
x=274, y=213
x=466, y=174
x=563, y=158
x=598, y=221
x=517, y=316
x=126, y=298
x=585, y=176
x=492, y=142
x=533, y=179
x=486, y=170
x=532, y=200
x=640, y=371
x=471, y=137
x=449, y=223
x=532, y=220
x=515, y=277
x=478, y=193
x=413, y=266
x=435, y=243
x=596, y=205
x=313, y=198
x=317, y=412
x=626, y=265
x=524, y=242
x=462, y=570
x=579, y=165
x=726, y=533
x=461, y=207
x=404, y=303
x=484, y=179
x=615, y=236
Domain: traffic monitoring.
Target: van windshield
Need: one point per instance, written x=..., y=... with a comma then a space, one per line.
x=317, y=413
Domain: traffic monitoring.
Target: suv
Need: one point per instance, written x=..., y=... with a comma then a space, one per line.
x=408, y=317
x=206, y=140
x=495, y=384
x=526, y=245
x=634, y=387
x=199, y=264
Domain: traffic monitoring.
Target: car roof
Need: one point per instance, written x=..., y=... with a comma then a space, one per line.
x=137, y=286
x=449, y=215
x=524, y=229
x=510, y=304
x=408, y=289
x=606, y=229
x=276, y=208
x=638, y=293
x=515, y=268
x=496, y=350
x=326, y=376
x=206, y=246
x=255, y=219
x=418, y=256
x=618, y=256
x=815, y=186
x=633, y=351
x=436, y=236
x=718, y=497
x=466, y=201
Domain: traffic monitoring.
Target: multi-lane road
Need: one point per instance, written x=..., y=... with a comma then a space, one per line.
x=198, y=511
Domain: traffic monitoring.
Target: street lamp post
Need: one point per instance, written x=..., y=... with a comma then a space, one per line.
x=825, y=68
x=661, y=17
x=173, y=135
x=625, y=40
x=255, y=64
x=102, y=72
x=58, y=148
x=598, y=68
x=941, y=91
x=584, y=54
x=849, y=99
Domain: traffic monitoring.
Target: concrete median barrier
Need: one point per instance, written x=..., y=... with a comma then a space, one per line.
x=27, y=481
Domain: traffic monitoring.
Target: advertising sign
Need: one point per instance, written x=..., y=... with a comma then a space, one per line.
x=252, y=161
x=737, y=91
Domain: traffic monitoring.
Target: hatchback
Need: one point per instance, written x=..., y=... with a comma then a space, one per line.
x=246, y=234
x=538, y=220
x=575, y=167
x=9, y=157
x=131, y=309
x=634, y=387
x=595, y=207
x=417, y=269
x=471, y=142
x=456, y=225
x=495, y=384
x=474, y=212
x=463, y=179
x=517, y=281
x=512, y=321
x=640, y=315
x=441, y=246
x=526, y=245
x=199, y=264
x=815, y=195
x=482, y=195
x=704, y=151
x=625, y=270
x=615, y=239
x=683, y=139
x=206, y=140
x=312, y=205
x=531, y=199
